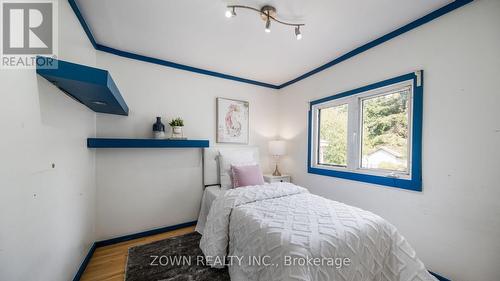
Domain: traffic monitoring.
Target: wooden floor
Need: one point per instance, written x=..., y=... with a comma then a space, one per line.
x=108, y=263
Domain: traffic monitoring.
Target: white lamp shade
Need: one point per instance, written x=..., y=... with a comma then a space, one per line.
x=277, y=148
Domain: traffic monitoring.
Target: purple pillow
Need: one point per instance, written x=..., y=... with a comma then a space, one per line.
x=246, y=175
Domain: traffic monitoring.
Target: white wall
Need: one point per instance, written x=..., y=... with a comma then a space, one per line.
x=46, y=214
x=454, y=223
x=141, y=189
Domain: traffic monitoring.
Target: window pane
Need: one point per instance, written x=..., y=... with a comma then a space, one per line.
x=332, y=148
x=385, y=131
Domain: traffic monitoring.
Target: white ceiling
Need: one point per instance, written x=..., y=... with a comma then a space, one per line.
x=196, y=32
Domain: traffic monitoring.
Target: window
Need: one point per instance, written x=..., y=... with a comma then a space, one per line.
x=370, y=134
x=385, y=131
x=333, y=135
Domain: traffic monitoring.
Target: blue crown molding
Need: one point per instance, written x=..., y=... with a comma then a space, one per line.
x=82, y=21
x=414, y=24
x=181, y=66
x=166, y=63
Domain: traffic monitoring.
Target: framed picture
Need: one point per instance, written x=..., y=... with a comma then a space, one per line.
x=232, y=121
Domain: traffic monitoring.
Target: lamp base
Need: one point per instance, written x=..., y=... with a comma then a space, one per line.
x=276, y=172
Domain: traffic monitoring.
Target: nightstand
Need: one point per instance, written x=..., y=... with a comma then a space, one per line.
x=271, y=178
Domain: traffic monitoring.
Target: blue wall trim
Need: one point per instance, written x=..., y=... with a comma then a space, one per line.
x=108, y=242
x=439, y=277
x=415, y=183
x=166, y=63
x=431, y=16
x=414, y=24
x=84, y=264
x=85, y=27
x=112, y=241
x=182, y=66
x=143, y=234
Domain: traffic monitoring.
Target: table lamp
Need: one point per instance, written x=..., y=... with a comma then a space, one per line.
x=277, y=148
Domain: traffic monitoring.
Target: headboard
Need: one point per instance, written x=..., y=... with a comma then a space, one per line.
x=211, y=162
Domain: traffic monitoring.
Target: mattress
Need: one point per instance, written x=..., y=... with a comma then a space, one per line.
x=209, y=195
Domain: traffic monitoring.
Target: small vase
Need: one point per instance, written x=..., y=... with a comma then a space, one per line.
x=158, y=129
x=177, y=132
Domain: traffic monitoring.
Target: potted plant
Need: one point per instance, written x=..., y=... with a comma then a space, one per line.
x=177, y=125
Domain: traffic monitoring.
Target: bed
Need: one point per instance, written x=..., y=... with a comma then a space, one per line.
x=209, y=195
x=212, y=179
x=280, y=231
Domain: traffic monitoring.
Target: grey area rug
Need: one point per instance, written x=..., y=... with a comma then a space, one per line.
x=174, y=259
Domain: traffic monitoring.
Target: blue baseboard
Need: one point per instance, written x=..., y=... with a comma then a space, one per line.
x=84, y=264
x=120, y=239
x=112, y=241
x=142, y=234
x=439, y=277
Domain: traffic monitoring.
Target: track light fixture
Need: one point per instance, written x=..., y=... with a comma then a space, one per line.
x=267, y=13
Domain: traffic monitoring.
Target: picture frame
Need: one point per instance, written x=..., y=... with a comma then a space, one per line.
x=232, y=121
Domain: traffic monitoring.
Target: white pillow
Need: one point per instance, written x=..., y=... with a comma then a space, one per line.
x=235, y=158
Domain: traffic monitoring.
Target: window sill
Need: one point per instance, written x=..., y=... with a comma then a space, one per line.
x=409, y=184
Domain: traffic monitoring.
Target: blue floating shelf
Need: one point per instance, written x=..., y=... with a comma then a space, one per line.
x=90, y=86
x=144, y=143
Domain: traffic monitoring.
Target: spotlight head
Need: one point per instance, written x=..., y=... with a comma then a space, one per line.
x=298, y=35
x=268, y=25
x=230, y=12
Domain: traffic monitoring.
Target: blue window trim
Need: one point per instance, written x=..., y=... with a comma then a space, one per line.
x=415, y=183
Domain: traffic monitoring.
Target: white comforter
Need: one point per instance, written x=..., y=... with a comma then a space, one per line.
x=282, y=225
